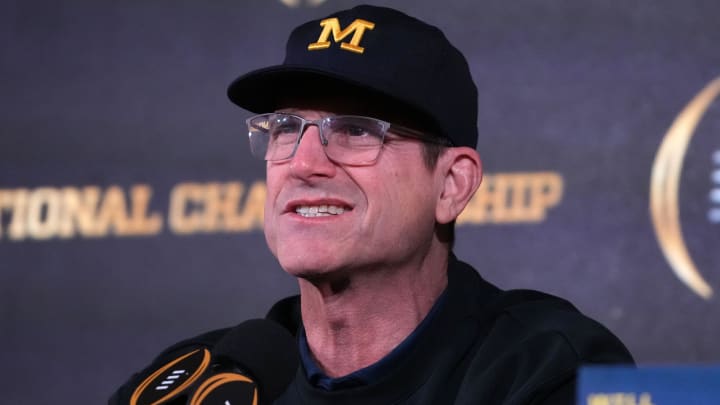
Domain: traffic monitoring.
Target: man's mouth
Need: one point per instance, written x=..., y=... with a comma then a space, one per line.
x=318, y=210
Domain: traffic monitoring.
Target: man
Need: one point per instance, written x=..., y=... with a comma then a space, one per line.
x=369, y=133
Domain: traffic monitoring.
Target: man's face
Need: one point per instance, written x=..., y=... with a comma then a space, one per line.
x=381, y=214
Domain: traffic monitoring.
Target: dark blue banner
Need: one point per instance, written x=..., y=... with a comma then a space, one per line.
x=131, y=211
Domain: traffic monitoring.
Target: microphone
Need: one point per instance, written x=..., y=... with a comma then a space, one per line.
x=252, y=363
x=167, y=385
x=170, y=373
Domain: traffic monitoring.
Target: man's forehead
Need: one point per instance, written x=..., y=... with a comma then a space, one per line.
x=360, y=103
x=303, y=112
x=354, y=104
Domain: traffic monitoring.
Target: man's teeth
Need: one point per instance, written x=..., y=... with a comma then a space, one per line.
x=319, y=210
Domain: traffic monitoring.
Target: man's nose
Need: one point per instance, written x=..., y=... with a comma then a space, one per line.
x=310, y=159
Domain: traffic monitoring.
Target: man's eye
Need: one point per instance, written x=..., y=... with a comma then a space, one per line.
x=283, y=134
x=283, y=129
x=351, y=130
x=354, y=130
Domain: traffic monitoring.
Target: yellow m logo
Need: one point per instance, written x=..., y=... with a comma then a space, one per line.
x=332, y=26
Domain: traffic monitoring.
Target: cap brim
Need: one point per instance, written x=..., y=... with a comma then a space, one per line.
x=266, y=89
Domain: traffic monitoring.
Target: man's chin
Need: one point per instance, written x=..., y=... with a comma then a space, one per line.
x=304, y=268
x=314, y=271
x=302, y=260
x=306, y=271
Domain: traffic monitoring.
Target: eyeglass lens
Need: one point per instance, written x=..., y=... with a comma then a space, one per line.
x=347, y=139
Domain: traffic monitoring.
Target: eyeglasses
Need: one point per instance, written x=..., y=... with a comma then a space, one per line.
x=347, y=139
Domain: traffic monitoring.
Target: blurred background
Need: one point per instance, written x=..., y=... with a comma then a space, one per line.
x=131, y=212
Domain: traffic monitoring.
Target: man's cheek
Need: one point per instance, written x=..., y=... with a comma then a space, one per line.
x=269, y=224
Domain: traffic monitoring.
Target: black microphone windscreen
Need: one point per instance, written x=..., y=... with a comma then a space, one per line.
x=265, y=350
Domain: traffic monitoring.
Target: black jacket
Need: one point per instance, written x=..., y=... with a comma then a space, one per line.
x=483, y=346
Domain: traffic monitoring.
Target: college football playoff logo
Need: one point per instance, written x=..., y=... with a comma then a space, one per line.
x=665, y=184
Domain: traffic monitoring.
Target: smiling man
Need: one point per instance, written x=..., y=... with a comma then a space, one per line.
x=368, y=130
x=351, y=211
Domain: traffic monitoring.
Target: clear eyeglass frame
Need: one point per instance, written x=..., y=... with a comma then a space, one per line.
x=347, y=139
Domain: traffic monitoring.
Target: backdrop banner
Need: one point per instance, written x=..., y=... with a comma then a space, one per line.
x=131, y=211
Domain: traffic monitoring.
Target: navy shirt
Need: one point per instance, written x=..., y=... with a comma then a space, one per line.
x=366, y=375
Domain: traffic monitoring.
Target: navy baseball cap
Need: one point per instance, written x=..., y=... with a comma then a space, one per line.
x=379, y=51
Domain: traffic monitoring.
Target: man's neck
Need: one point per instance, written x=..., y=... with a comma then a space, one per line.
x=354, y=322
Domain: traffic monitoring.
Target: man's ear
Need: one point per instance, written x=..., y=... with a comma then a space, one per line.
x=461, y=169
